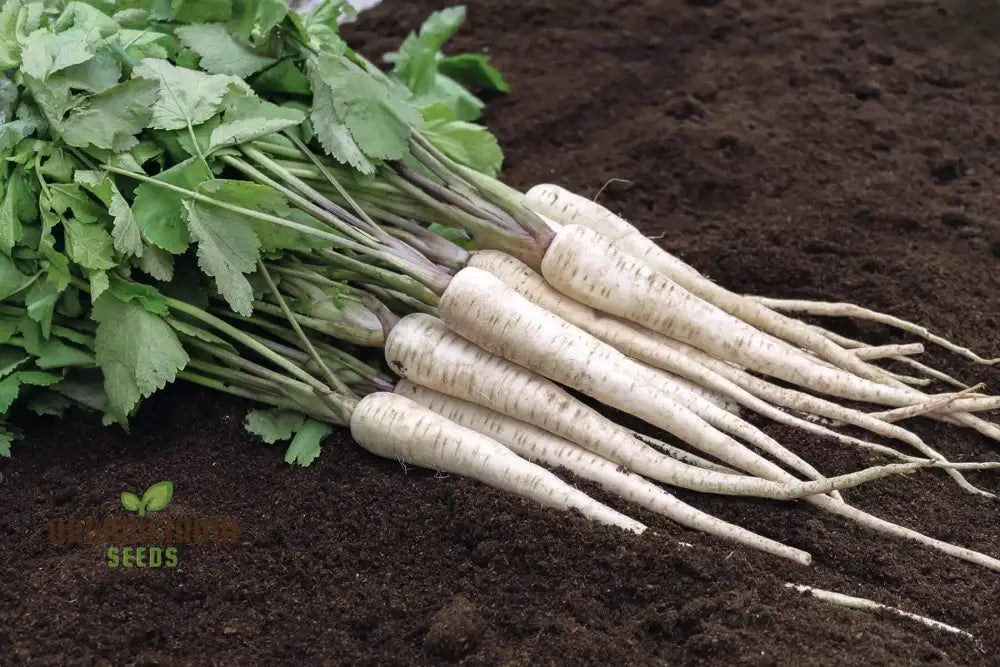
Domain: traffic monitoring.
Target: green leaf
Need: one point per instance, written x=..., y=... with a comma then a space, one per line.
x=198, y=333
x=12, y=358
x=8, y=327
x=252, y=17
x=131, y=18
x=130, y=501
x=220, y=52
x=264, y=199
x=228, y=248
x=274, y=425
x=54, y=353
x=145, y=295
x=473, y=70
x=457, y=236
x=322, y=24
x=12, y=133
x=8, y=97
x=157, y=496
x=89, y=245
x=111, y=119
x=416, y=61
x=96, y=183
x=10, y=46
x=53, y=98
x=160, y=213
x=333, y=135
x=467, y=143
x=200, y=11
x=12, y=280
x=84, y=389
x=125, y=234
x=187, y=97
x=139, y=44
x=99, y=283
x=378, y=116
x=41, y=303
x=282, y=79
x=87, y=19
x=251, y=118
x=10, y=386
x=137, y=351
x=71, y=197
x=463, y=104
x=19, y=205
x=46, y=53
x=94, y=76
x=157, y=263
x=305, y=446
x=49, y=404
x=58, y=166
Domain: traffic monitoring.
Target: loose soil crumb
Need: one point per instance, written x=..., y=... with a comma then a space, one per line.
x=844, y=150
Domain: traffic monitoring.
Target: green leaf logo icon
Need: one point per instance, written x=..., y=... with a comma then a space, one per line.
x=154, y=499
x=130, y=501
x=157, y=497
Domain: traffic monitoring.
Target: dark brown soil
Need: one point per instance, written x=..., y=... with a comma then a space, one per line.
x=842, y=150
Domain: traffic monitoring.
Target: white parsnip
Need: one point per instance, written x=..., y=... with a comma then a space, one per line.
x=658, y=350
x=396, y=427
x=872, y=352
x=537, y=445
x=852, y=345
x=587, y=266
x=522, y=279
x=864, y=604
x=423, y=350
x=576, y=359
x=837, y=309
x=661, y=352
x=568, y=208
x=809, y=404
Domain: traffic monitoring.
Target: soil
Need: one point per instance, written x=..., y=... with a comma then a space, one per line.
x=837, y=150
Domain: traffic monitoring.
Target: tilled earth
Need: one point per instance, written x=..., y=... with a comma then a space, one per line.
x=837, y=150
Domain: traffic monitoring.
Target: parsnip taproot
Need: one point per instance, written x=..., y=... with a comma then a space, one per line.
x=538, y=445
x=396, y=427
x=422, y=349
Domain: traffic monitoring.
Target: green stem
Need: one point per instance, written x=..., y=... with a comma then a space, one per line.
x=427, y=294
x=409, y=302
x=332, y=239
x=320, y=206
x=197, y=147
x=342, y=405
x=430, y=277
x=301, y=202
x=347, y=332
x=274, y=401
x=331, y=379
x=374, y=274
x=316, y=197
x=41, y=179
x=278, y=149
x=240, y=378
x=82, y=158
x=496, y=192
x=328, y=175
x=260, y=372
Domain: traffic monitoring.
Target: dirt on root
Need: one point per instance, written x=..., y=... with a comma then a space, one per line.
x=836, y=150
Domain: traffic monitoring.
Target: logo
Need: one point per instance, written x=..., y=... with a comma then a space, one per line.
x=154, y=499
x=139, y=540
